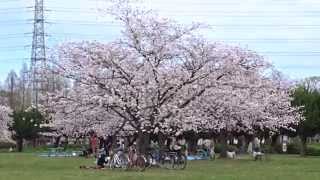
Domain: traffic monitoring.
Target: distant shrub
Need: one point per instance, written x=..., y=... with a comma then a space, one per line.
x=232, y=148
x=311, y=151
x=217, y=148
x=6, y=145
x=294, y=148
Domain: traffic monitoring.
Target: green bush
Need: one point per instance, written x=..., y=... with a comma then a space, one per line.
x=217, y=148
x=75, y=146
x=6, y=145
x=277, y=149
x=266, y=148
x=232, y=148
x=311, y=151
x=294, y=148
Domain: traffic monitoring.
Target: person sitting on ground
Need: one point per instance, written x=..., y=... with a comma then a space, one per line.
x=178, y=144
x=257, y=154
x=208, y=146
x=231, y=152
x=101, y=161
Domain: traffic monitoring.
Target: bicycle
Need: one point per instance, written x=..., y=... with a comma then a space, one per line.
x=119, y=160
x=167, y=160
x=153, y=158
x=136, y=161
x=179, y=160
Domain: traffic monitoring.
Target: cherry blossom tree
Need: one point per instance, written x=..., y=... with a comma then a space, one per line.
x=5, y=120
x=161, y=74
x=245, y=107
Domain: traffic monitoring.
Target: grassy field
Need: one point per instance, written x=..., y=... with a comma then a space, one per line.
x=28, y=166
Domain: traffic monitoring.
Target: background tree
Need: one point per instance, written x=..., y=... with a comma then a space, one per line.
x=24, y=91
x=307, y=95
x=12, y=82
x=26, y=125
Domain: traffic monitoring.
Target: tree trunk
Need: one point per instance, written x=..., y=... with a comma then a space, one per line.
x=161, y=140
x=57, y=141
x=192, y=142
x=19, y=144
x=77, y=141
x=224, y=146
x=243, y=144
x=268, y=145
x=34, y=142
x=274, y=142
x=143, y=142
x=303, y=148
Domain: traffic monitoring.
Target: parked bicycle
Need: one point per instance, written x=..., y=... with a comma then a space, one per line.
x=119, y=160
x=178, y=160
x=136, y=161
x=167, y=159
x=153, y=158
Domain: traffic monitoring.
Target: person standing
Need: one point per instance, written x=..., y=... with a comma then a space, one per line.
x=101, y=142
x=108, y=144
x=94, y=144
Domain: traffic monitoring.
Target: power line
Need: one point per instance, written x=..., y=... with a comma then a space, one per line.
x=15, y=8
x=9, y=47
x=205, y=13
x=292, y=54
x=14, y=60
x=57, y=8
x=300, y=66
x=263, y=40
x=13, y=34
x=270, y=41
x=7, y=1
x=58, y=21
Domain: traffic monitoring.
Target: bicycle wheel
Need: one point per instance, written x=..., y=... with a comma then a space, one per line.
x=123, y=162
x=167, y=161
x=212, y=155
x=180, y=162
x=112, y=163
x=149, y=160
x=140, y=163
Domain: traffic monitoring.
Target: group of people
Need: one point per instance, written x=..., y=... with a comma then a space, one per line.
x=101, y=147
x=97, y=143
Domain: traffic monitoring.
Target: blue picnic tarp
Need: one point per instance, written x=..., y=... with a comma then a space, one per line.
x=61, y=154
x=194, y=157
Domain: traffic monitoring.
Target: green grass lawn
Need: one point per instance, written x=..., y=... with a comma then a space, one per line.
x=28, y=166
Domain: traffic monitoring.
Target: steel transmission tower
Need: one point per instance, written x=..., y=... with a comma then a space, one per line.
x=38, y=53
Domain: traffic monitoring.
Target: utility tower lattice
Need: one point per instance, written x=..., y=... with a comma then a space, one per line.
x=38, y=54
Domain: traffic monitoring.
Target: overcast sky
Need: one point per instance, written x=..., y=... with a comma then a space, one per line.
x=286, y=32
